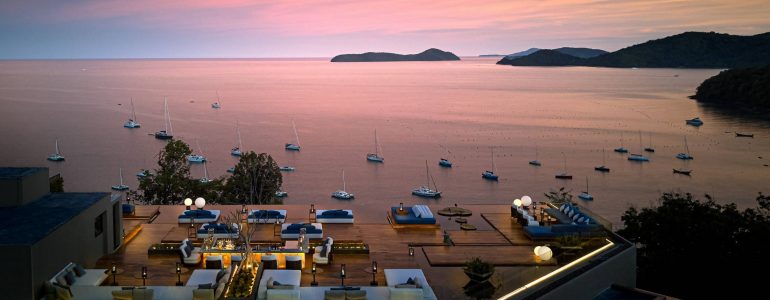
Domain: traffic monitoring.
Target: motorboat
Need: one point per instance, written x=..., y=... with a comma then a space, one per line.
x=281, y=194
x=286, y=168
x=445, y=163
x=694, y=121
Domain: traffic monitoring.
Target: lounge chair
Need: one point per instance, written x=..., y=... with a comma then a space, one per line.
x=220, y=230
x=289, y=280
x=398, y=277
x=267, y=216
x=418, y=214
x=199, y=216
x=321, y=255
x=291, y=231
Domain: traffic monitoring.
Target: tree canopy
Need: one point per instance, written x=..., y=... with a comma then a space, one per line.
x=255, y=180
x=696, y=249
x=171, y=181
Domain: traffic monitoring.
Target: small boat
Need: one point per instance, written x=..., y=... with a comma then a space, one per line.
x=132, y=122
x=603, y=167
x=343, y=194
x=197, y=158
x=231, y=170
x=281, y=194
x=694, y=121
x=749, y=135
x=56, y=156
x=686, y=154
x=535, y=162
x=286, y=168
x=564, y=175
x=585, y=195
x=143, y=173
x=236, y=151
x=490, y=175
x=682, y=171
x=121, y=186
x=649, y=148
x=167, y=133
x=291, y=146
x=445, y=163
x=638, y=157
x=218, y=103
x=426, y=191
x=375, y=157
x=621, y=149
x=205, y=178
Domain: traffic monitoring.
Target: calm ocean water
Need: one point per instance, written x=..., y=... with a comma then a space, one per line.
x=421, y=111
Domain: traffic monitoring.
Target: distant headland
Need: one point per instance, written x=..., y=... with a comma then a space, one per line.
x=685, y=50
x=431, y=54
x=746, y=90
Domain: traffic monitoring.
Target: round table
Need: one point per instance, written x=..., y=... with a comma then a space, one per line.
x=467, y=226
x=454, y=211
x=461, y=220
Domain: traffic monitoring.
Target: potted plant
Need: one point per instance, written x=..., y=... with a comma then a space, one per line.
x=478, y=270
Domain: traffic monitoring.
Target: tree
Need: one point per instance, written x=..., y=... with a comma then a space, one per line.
x=56, y=184
x=559, y=197
x=255, y=180
x=171, y=181
x=700, y=249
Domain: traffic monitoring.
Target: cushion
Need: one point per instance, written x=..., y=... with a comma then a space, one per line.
x=221, y=274
x=205, y=286
x=283, y=287
x=203, y=294
x=355, y=295
x=410, y=280
x=123, y=294
x=416, y=211
x=270, y=282
x=79, y=271
x=575, y=217
x=69, y=277
x=324, y=250
x=571, y=213
x=581, y=219
x=406, y=286
x=60, y=280
x=334, y=295
x=418, y=282
x=185, y=252
x=143, y=294
x=561, y=208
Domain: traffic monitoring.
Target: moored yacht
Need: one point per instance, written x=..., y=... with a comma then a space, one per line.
x=197, y=158
x=375, y=157
x=167, y=133
x=132, y=122
x=56, y=156
x=291, y=146
x=444, y=163
x=286, y=168
x=686, y=154
x=426, y=191
x=236, y=151
x=343, y=194
x=281, y=194
x=694, y=121
x=121, y=186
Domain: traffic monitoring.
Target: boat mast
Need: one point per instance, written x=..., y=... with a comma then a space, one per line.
x=121, y=176
x=218, y=99
x=344, y=186
x=205, y=171
x=57, y=146
x=427, y=174
x=376, y=144
x=169, y=129
x=133, y=110
x=604, y=157
x=640, y=141
x=686, y=148
x=492, y=152
x=586, y=184
x=565, y=161
x=238, y=131
x=295, y=132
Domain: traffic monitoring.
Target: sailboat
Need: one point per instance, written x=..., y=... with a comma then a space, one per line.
x=375, y=157
x=143, y=173
x=682, y=171
x=564, y=174
x=444, y=163
x=218, y=103
x=686, y=154
x=343, y=194
x=535, y=162
x=236, y=151
x=621, y=149
x=649, y=148
x=638, y=157
x=132, y=122
x=205, y=178
x=585, y=195
x=286, y=168
x=281, y=194
x=603, y=167
x=490, y=175
x=197, y=158
x=290, y=146
x=167, y=133
x=425, y=191
x=56, y=156
x=121, y=186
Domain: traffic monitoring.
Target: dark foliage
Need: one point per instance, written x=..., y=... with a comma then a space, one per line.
x=743, y=89
x=543, y=58
x=697, y=249
x=255, y=180
x=56, y=184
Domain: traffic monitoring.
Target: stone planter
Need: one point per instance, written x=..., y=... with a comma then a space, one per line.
x=478, y=277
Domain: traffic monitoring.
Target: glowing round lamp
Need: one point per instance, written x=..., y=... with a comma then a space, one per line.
x=544, y=253
x=537, y=249
x=526, y=200
x=517, y=202
x=200, y=202
x=188, y=202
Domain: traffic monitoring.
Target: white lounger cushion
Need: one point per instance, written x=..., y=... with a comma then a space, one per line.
x=215, y=212
x=398, y=276
x=202, y=276
x=292, y=277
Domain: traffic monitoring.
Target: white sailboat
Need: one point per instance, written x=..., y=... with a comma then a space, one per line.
x=237, y=150
x=535, y=162
x=290, y=146
x=56, y=156
x=621, y=149
x=343, y=194
x=205, y=178
x=649, y=148
x=375, y=157
x=686, y=154
x=167, y=133
x=425, y=191
x=490, y=175
x=638, y=157
x=281, y=194
x=132, y=122
x=121, y=186
x=584, y=194
x=564, y=174
x=218, y=103
x=197, y=158
x=603, y=167
x=286, y=168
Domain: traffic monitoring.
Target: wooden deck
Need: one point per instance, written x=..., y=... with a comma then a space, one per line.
x=511, y=230
x=456, y=256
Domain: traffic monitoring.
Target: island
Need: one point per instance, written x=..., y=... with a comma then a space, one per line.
x=431, y=54
x=685, y=50
x=745, y=89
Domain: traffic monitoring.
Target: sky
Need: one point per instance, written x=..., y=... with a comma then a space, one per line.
x=324, y=28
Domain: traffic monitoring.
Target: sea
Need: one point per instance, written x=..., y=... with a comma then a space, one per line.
x=479, y=115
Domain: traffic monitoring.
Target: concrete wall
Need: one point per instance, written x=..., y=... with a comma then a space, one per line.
x=74, y=242
x=16, y=273
x=18, y=191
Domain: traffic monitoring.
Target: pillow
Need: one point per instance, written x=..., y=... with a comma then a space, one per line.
x=284, y=287
x=221, y=274
x=416, y=211
x=189, y=248
x=79, y=271
x=417, y=282
x=410, y=280
x=355, y=295
x=575, y=217
x=561, y=208
x=60, y=280
x=571, y=213
x=406, y=286
x=184, y=251
x=587, y=221
x=276, y=283
x=69, y=277
x=206, y=294
x=334, y=295
x=123, y=295
x=581, y=220
x=269, y=282
x=324, y=250
x=205, y=286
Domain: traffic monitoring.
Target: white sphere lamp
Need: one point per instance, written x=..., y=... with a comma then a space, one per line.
x=526, y=201
x=200, y=202
x=188, y=202
x=517, y=202
x=544, y=253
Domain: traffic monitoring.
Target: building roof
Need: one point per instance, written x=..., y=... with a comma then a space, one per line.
x=8, y=172
x=29, y=223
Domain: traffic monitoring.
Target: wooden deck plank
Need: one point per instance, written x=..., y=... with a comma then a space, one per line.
x=456, y=256
x=508, y=227
x=485, y=237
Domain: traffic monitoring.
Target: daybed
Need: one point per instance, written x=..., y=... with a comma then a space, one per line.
x=79, y=277
x=217, y=279
x=334, y=216
x=369, y=292
x=572, y=222
x=188, y=254
x=400, y=277
x=418, y=214
x=289, y=281
x=322, y=254
x=291, y=231
x=220, y=230
x=267, y=216
x=199, y=216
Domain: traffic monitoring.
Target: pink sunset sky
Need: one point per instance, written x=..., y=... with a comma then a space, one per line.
x=324, y=28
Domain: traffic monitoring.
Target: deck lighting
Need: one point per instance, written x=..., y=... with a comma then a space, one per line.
x=188, y=202
x=401, y=207
x=526, y=200
x=543, y=252
x=374, y=273
x=200, y=202
x=411, y=251
x=312, y=208
x=342, y=274
x=243, y=208
x=178, y=274
x=144, y=275
x=517, y=202
x=313, y=270
x=114, y=271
